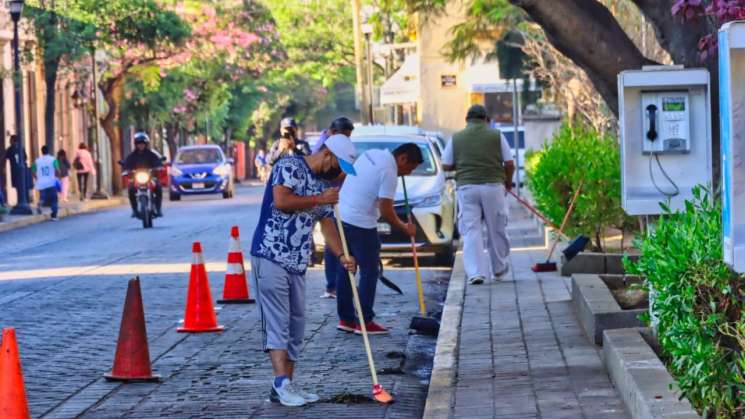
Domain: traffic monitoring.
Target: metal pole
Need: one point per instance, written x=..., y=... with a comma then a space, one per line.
x=357, y=30
x=516, y=134
x=22, y=207
x=370, y=84
x=100, y=193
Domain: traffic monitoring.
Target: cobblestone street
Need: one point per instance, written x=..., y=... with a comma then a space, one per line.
x=67, y=325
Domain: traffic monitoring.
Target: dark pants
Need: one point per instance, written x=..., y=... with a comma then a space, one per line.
x=157, y=196
x=49, y=198
x=330, y=267
x=83, y=184
x=364, y=245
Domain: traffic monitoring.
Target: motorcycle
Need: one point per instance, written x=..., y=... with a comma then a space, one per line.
x=144, y=196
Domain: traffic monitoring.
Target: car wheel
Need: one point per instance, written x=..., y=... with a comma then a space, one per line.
x=174, y=196
x=445, y=256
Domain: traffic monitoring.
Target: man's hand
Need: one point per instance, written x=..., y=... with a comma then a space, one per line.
x=329, y=197
x=508, y=185
x=349, y=264
x=410, y=229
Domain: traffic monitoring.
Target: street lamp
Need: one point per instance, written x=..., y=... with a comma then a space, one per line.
x=22, y=207
x=367, y=30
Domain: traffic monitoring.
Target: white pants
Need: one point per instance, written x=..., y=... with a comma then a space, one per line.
x=482, y=206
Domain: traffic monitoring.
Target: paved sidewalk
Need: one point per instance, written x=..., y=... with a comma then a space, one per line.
x=11, y=222
x=522, y=353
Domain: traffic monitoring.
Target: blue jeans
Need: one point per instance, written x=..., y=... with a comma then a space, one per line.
x=330, y=267
x=49, y=198
x=364, y=245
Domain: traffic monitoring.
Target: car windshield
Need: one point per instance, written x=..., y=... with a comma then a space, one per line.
x=199, y=156
x=428, y=168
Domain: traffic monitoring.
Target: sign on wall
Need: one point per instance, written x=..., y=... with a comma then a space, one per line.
x=448, y=80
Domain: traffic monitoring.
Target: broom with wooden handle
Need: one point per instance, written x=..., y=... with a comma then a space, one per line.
x=379, y=393
x=549, y=266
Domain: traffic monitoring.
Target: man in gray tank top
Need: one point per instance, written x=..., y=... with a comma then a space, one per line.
x=483, y=162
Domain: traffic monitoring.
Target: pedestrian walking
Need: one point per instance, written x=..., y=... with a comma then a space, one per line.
x=46, y=172
x=363, y=200
x=344, y=126
x=296, y=198
x=17, y=159
x=64, y=174
x=288, y=144
x=484, y=167
x=84, y=168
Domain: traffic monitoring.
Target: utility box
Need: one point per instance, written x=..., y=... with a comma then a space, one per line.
x=665, y=121
x=732, y=122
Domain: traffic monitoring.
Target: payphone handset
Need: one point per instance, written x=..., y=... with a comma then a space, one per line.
x=666, y=122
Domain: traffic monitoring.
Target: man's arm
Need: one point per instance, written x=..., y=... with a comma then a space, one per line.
x=509, y=171
x=274, y=154
x=389, y=214
x=448, y=157
x=286, y=200
x=333, y=241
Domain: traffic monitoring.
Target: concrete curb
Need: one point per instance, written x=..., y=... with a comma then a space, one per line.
x=598, y=310
x=640, y=377
x=88, y=206
x=595, y=263
x=445, y=365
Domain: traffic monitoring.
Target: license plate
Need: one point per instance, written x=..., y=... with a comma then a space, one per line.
x=384, y=228
x=197, y=185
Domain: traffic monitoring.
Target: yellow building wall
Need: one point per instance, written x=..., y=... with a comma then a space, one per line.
x=440, y=108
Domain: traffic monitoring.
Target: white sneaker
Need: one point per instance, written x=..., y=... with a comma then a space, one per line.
x=309, y=397
x=328, y=295
x=286, y=394
x=500, y=275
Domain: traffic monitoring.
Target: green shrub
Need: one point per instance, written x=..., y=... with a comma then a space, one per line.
x=698, y=306
x=578, y=154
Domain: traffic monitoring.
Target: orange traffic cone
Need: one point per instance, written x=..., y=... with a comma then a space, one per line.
x=13, y=403
x=200, y=313
x=132, y=359
x=235, y=290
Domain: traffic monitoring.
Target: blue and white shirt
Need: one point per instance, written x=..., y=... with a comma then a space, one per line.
x=285, y=237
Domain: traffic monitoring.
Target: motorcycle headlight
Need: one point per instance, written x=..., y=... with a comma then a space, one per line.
x=175, y=171
x=427, y=201
x=223, y=170
x=142, y=177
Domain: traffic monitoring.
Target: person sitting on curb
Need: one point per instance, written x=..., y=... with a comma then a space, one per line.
x=294, y=200
x=364, y=198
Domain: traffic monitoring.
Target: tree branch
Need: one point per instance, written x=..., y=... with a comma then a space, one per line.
x=586, y=32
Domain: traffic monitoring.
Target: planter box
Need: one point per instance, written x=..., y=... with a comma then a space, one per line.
x=598, y=309
x=640, y=377
x=594, y=263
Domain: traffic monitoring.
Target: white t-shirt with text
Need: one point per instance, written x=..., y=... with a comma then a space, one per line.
x=359, y=196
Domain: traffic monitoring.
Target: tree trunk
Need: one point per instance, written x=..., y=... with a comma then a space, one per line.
x=586, y=32
x=50, y=105
x=172, y=129
x=113, y=92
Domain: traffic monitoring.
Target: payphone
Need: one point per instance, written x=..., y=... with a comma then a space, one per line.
x=666, y=122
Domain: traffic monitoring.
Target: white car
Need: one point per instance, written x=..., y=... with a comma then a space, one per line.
x=431, y=198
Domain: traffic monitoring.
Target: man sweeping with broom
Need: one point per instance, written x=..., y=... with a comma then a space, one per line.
x=295, y=199
x=364, y=198
x=484, y=167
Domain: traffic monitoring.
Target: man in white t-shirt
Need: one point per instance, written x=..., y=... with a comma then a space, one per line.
x=363, y=199
x=46, y=171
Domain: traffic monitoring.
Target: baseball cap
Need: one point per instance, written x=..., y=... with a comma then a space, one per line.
x=288, y=123
x=344, y=151
x=476, y=112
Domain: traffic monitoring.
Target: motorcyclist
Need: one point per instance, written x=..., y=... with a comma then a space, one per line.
x=142, y=158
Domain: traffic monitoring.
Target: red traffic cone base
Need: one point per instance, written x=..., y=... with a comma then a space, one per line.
x=235, y=290
x=13, y=403
x=200, y=313
x=132, y=359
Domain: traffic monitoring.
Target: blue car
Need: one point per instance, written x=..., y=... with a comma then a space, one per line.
x=199, y=170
